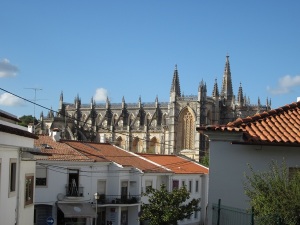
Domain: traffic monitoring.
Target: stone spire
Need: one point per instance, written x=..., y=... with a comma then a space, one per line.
x=202, y=91
x=77, y=102
x=175, y=88
x=123, y=102
x=61, y=107
x=227, y=92
x=107, y=103
x=61, y=100
x=92, y=103
x=140, y=102
x=240, y=95
x=215, y=92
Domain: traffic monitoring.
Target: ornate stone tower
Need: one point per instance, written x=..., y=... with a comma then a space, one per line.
x=154, y=127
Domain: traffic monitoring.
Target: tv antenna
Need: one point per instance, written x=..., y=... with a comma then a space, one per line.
x=34, y=100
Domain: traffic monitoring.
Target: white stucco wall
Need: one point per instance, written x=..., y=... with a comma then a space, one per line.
x=12, y=209
x=229, y=163
x=8, y=201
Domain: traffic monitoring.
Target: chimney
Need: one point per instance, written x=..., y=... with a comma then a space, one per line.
x=56, y=134
x=30, y=127
x=102, y=138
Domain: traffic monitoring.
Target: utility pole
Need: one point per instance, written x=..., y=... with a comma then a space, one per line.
x=34, y=100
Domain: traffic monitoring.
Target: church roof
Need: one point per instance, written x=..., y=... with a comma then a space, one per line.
x=277, y=126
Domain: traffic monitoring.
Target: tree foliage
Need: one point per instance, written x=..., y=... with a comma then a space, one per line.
x=166, y=208
x=204, y=160
x=274, y=195
x=26, y=119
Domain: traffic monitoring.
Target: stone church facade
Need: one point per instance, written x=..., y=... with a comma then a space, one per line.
x=156, y=127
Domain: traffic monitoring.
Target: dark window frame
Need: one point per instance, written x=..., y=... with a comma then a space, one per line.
x=29, y=189
x=12, y=175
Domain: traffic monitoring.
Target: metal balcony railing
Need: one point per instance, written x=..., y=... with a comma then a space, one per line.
x=72, y=191
x=118, y=199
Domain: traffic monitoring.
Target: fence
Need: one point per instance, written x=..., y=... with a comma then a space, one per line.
x=225, y=215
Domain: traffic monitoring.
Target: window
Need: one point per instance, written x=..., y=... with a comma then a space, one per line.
x=124, y=190
x=73, y=188
x=124, y=217
x=196, y=214
x=29, y=182
x=12, y=175
x=41, y=176
x=197, y=186
x=175, y=184
x=183, y=183
x=190, y=185
x=148, y=184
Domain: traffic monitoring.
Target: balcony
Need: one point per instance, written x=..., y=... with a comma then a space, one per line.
x=73, y=191
x=119, y=199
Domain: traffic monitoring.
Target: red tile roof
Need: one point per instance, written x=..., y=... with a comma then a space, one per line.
x=66, y=150
x=277, y=126
x=126, y=158
x=58, y=151
x=115, y=154
x=176, y=164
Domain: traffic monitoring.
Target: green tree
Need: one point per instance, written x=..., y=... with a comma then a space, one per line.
x=204, y=160
x=274, y=195
x=166, y=208
x=26, y=119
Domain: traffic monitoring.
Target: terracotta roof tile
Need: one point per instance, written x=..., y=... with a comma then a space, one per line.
x=277, y=126
x=117, y=155
x=177, y=164
x=59, y=151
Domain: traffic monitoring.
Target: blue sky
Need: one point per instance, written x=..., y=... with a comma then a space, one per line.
x=130, y=48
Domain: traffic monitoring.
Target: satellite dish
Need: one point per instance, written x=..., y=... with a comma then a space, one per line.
x=60, y=197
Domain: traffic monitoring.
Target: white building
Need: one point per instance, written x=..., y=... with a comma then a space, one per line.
x=73, y=172
x=256, y=140
x=186, y=173
x=17, y=172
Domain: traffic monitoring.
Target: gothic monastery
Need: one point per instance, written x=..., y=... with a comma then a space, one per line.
x=156, y=127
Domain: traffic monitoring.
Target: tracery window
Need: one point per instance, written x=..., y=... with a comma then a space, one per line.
x=135, y=144
x=153, y=145
x=188, y=131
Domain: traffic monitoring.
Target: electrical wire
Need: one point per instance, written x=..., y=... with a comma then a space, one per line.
x=74, y=119
x=169, y=165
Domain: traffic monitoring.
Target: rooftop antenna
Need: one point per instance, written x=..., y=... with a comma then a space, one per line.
x=34, y=100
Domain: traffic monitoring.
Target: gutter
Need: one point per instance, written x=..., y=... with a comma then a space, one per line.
x=286, y=144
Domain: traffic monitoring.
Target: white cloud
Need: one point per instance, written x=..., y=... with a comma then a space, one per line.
x=285, y=85
x=7, y=69
x=100, y=95
x=7, y=99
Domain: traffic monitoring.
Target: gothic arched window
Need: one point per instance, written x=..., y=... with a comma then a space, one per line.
x=135, y=144
x=152, y=145
x=187, y=130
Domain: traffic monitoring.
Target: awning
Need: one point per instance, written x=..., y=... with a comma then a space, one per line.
x=77, y=210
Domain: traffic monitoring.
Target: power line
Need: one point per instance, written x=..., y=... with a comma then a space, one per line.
x=74, y=119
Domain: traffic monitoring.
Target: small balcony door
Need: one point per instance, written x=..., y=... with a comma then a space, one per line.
x=124, y=190
x=73, y=182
